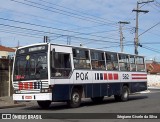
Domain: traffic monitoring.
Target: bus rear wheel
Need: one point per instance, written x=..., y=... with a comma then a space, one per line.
x=44, y=104
x=75, y=100
x=97, y=99
x=124, y=95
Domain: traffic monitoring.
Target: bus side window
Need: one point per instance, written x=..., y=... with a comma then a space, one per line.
x=81, y=59
x=62, y=65
x=132, y=63
x=140, y=64
x=124, y=62
x=111, y=61
x=97, y=60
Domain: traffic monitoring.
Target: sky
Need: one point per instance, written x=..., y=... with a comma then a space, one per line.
x=92, y=23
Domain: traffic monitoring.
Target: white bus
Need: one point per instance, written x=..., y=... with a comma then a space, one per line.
x=49, y=72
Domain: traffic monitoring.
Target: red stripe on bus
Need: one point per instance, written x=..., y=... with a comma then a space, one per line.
x=139, y=74
x=139, y=78
x=115, y=76
x=20, y=85
x=31, y=85
x=26, y=85
x=105, y=76
x=110, y=76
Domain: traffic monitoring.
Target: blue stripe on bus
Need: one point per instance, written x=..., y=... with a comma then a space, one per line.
x=97, y=76
x=101, y=76
x=35, y=85
x=62, y=92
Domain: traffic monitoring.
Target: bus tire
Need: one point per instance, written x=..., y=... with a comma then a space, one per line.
x=75, y=100
x=125, y=94
x=97, y=99
x=44, y=104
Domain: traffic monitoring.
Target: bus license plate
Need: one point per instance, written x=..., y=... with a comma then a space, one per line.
x=28, y=97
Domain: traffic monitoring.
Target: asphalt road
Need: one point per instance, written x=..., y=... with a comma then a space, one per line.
x=138, y=103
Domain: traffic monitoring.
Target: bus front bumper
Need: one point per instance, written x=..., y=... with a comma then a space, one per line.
x=30, y=97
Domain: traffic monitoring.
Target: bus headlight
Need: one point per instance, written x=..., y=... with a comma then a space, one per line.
x=17, y=91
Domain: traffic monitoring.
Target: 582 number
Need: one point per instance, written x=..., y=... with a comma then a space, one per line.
x=126, y=76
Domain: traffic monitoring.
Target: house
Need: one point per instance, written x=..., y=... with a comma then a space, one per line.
x=6, y=52
x=153, y=68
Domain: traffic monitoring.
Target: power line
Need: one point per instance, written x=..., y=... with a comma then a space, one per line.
x=151, y=49
x=150, y=32
x=54, y=28
x=19, y=34
x=76, y=11
x=149, y=28
x=53, y=20
x=59, y=11
x=155, y=8
x=55, y=33
x=37, y=16
x=130, y=44
x=27, y=34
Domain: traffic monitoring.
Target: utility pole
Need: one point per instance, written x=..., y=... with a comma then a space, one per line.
x=68, y=40
x=137, y=10
x=9, y=77
x=121, y=34
x=46, y=39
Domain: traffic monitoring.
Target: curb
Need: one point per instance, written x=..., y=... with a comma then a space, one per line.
x=155, y=88
x=12, y=106
x=143, y=92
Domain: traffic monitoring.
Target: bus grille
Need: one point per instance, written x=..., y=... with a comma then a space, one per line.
x=30, y=87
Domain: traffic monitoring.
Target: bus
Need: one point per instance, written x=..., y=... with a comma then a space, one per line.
x=49, y=73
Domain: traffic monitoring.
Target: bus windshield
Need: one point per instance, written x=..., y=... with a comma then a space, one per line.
x=31, y=67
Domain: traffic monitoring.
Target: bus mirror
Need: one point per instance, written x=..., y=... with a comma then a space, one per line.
x=53, y=55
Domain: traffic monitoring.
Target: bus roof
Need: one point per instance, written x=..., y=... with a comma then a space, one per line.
x=72, y=46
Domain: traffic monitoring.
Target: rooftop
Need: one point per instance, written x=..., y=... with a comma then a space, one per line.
x=153, y=68
x=3, y=48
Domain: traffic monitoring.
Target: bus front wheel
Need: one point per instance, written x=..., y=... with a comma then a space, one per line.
x=75, y=100
x=44, y=104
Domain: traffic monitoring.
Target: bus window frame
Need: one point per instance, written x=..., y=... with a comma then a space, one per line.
x=137, y=64
x=102, y=67
x=55, y=68
x=85, y=59
x=132, y=68
x=125, y=61
x=113, y=62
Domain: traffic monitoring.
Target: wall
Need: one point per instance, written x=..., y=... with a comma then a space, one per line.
x=3, y=53
x=4, y=77
x=153, y=80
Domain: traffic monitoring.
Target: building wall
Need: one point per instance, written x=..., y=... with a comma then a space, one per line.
x=4, y=78
x=153, y=80
x=3, y=53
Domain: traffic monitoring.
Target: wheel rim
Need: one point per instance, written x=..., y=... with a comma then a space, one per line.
x=126, y=94
x=75, y=98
